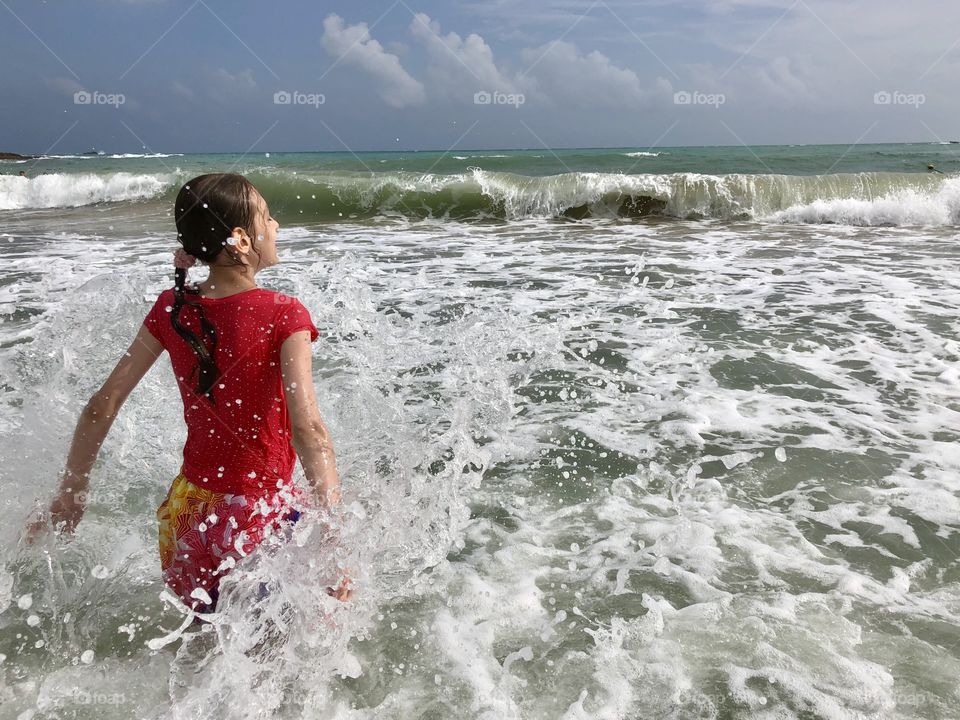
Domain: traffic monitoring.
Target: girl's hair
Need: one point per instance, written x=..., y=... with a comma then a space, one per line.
x=206, y=211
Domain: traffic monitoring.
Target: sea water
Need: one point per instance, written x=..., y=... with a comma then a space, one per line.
x=632, y=433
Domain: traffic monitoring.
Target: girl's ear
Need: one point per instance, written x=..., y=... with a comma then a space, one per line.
x=241, y=241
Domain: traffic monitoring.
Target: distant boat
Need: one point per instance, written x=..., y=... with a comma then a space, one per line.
x=955, y=142
x=93, y=151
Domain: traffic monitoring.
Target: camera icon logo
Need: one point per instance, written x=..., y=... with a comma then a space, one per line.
x=682, y=98
x=82, y=97
x=882, y=98
x=282, y=97
x=482, y=98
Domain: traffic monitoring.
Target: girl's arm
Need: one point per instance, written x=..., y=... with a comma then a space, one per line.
x=91, y=430
x=311, y=439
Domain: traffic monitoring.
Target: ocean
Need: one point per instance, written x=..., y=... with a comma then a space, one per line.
x=623, y=433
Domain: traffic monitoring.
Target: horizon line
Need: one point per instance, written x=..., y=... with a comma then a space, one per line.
x=144, y=151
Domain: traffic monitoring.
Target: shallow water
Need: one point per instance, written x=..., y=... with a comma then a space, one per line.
x=600, y=469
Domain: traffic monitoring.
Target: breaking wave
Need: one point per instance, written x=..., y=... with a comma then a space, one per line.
x=868, y=199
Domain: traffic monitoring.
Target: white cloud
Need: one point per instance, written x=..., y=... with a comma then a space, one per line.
x=354, y=45
x=557, y=73
x=180, y=89
x=68, y=86
x=226, y=87
x=567, y=77
x=218, y=84
x=461, y=66
x=782, y=82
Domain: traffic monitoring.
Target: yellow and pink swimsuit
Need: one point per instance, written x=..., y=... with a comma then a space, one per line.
x=203, y=534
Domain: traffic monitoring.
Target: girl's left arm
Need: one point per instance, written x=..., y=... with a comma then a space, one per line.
x=92, y=428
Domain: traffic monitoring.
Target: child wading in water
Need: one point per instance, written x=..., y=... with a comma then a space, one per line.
x=241, y=357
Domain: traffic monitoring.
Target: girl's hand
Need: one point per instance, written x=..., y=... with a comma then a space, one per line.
x=343, y=591
x=65, y=512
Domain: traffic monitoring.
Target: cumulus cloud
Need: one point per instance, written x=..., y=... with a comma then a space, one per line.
x=353, y=45
x=556, y=73
x=459, y=65
x=565, y=76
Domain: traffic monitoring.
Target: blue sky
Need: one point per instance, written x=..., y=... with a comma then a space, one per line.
x=204, y=75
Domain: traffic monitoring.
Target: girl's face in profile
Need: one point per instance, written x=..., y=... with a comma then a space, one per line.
x=266, y=235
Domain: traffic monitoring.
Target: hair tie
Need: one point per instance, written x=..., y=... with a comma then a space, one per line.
x=182, y=260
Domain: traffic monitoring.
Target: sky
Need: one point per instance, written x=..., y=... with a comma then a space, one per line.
x=296, y=75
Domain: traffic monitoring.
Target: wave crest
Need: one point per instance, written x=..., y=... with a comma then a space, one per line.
x=55, y=190
x=849, y=199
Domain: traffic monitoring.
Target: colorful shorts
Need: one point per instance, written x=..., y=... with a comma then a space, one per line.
x=203, y=534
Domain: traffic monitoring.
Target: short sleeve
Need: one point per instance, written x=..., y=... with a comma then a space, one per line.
x=293, y=317
x=157, y=316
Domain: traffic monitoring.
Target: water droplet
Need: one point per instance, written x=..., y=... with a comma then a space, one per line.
x=201, y=595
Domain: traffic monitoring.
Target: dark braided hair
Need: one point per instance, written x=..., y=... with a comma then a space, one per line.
x=206, y=211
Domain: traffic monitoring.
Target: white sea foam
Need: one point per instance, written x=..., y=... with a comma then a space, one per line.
x=120, y=156
x=71, y=190
x=939, y=206
x=724, y=477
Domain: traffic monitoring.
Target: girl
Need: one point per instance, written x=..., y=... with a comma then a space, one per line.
x=241, y=357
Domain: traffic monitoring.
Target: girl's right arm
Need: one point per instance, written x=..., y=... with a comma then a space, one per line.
x=311, y=439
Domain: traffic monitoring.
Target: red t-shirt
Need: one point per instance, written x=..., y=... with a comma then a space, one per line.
x=241, y=443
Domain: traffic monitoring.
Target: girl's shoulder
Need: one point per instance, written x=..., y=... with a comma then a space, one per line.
x=279, y=298
x=164, y=296
x=258, y=296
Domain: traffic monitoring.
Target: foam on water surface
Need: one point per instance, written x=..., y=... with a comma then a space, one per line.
x=592, y=470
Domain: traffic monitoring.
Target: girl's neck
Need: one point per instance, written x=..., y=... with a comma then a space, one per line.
x=224, y=284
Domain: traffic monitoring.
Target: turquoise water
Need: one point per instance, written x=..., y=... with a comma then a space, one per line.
x=861, y=185
x=680, y=442
x=764, y=159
